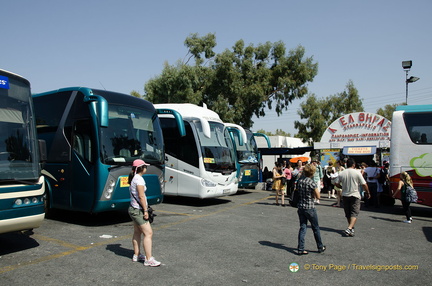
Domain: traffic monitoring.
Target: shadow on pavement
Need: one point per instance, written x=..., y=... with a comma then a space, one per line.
x=194, y=202
x=120, y=251
x=86, y=219
x=16, y=241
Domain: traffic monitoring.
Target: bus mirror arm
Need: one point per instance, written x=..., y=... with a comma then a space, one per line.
x=100, y=108
x=178, y=118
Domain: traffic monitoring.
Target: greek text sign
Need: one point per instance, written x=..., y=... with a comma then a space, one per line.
x=357, y=129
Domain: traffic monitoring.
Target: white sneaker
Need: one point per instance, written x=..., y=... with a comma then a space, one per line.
x=152, y=262
x=407, y=221
x=140, y=257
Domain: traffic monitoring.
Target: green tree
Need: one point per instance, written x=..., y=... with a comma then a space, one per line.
x=388, y=110
x=279, y=132
x=135, y=93
x=320, y=113
x=236, y=83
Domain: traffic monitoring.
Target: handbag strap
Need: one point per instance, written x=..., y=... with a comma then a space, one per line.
x=138, y=201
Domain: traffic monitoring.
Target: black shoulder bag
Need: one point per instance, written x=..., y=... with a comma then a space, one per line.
x=150, y=211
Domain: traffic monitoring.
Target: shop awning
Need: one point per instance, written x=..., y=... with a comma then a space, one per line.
x=359, y=150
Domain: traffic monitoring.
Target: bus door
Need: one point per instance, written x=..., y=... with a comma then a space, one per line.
x=171, y=175
x=83, y=187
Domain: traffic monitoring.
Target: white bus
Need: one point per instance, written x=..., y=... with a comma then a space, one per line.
x=21, y=183
x=411, y=148
x=201, y=163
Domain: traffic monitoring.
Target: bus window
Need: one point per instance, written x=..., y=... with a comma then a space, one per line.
x=83, y=139
x=183, y=148
x=419, y=127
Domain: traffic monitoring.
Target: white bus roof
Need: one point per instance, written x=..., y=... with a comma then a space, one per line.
x=189, y=110
x=193, y=111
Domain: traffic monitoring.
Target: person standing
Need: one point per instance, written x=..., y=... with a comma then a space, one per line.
x=329, y=171
x=405, y=179
x=139, y=214
x=277, y=183
x=308, y=189
x=297, y=173
x=372, y=173
x=288, y=175
x=350, y=181
x=339, y=168
x=317, y=177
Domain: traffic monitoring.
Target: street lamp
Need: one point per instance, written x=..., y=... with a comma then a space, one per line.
x=406, y=65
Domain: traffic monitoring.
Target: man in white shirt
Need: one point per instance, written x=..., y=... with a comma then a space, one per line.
x=350, y=181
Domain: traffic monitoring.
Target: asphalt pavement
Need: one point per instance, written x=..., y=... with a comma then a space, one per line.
x=244, y=239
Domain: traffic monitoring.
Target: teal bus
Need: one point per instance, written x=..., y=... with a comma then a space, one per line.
x=248, y=158
x=21, y=183
x=92, y=137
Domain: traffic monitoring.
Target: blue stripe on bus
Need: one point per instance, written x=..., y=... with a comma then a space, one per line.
x=29, y=210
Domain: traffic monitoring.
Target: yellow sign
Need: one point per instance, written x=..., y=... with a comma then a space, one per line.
x=247, y=172
x=359, y=150
x=124, y=182
x=209, y=160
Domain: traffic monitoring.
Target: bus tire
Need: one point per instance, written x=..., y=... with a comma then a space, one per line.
x=47, y=203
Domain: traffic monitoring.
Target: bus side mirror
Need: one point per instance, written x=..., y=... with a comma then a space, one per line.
x=178, y=118
x=237, y=132
x=100, y=107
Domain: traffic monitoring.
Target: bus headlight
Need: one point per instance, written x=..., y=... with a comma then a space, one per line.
x=109, y=190
x=161, y=180
x=162, y=183
x=207, y=183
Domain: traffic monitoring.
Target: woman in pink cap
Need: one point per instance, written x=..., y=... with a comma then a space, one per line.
x=138, y=213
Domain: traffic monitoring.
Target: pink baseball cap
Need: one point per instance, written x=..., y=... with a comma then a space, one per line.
x=139, y=163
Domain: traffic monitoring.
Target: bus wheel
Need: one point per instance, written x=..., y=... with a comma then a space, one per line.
x=46, y=204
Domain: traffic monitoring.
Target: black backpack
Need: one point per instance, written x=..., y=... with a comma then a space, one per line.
x=382, y=177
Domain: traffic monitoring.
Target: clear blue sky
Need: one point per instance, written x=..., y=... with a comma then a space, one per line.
x=120, y=45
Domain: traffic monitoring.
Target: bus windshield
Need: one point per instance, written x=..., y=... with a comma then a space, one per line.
x=17, y=137
x=217, y=151
x=132, y=133
x=248, y=152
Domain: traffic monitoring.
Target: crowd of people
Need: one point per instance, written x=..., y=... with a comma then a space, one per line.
x=345, y=181
x=285, y=175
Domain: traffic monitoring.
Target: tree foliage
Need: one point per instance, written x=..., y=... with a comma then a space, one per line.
x=135, y=93
x=279, y=132
x=388, y=110
x=320, y=113
x=236, y=83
